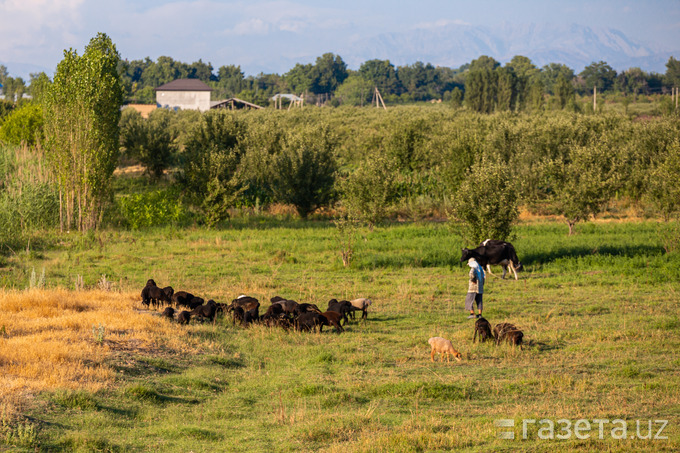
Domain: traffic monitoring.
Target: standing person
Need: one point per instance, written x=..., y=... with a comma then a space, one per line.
x=475, y=288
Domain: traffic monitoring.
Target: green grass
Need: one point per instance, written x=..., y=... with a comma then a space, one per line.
x=599, y=311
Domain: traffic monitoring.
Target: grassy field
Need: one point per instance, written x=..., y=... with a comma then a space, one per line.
x=599, y=311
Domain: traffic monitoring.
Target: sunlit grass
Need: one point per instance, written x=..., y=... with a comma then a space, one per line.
x=59, y=339
x=599, y=311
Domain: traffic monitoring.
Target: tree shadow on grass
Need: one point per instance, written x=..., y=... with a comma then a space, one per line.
x=452, y=260
x=626, y=251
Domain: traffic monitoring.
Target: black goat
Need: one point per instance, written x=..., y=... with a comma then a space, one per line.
x=483, y=328
x=184, y=317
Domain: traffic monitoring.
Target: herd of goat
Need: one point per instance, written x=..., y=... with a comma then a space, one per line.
x=246, y=310
x=287, y=314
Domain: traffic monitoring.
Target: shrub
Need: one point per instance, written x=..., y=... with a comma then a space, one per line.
x=160, y=207
x=23, y=125
x=28, y=201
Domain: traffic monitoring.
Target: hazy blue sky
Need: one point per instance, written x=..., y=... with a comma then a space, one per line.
x=263, y=35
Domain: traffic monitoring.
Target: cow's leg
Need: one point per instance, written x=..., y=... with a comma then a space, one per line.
x=505, y=270
x=488, y=268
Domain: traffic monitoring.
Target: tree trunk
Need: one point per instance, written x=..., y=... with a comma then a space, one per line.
x=571, y=226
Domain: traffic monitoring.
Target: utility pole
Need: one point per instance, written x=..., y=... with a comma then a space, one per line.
x=595, y=98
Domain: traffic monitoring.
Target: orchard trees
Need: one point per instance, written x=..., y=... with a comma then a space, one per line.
x=486, y=202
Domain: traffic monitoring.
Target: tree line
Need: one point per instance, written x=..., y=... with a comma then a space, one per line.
x=366, y=164
x=484, y=83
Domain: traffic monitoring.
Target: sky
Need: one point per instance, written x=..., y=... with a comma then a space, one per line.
x=265, y=36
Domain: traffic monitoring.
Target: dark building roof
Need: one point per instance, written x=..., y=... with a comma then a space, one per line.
x=184, y=85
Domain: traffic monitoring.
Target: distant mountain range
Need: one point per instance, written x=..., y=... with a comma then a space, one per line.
x=453, y=45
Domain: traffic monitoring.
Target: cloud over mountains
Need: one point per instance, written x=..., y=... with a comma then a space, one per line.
x=454, y=44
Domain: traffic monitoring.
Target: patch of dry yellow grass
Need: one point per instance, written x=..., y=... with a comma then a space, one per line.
x=47, y=340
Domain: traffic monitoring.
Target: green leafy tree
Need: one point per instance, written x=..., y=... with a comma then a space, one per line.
x=486, y=202
x=526, y=76
x=13, y=88
x=329, y=72
x=456, y=97
x=368, y=191
x=82, y=112
x=383, y=75
x=633, y=81
x=599, y=75
x=672, y=76
x=304, y=171
x=484, y=62
x=552, y=73
x=201, y=71
x=301, y=78
x=355, y=90
x=506, y=91
x=663, y=185
x=38, y=86
x=210, y=165
x=6, y=107
x=481, y=86
x=419, y=81
x=535, y=96
x=151, y=141
x=230, y=80
x=584, y=180
x=564, y=91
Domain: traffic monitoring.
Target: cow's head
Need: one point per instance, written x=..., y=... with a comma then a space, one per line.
x=467, y=254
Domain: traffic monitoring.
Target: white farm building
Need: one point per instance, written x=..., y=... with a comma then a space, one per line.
x=185, y=94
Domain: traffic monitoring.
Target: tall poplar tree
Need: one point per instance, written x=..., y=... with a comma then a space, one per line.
x=82, y=110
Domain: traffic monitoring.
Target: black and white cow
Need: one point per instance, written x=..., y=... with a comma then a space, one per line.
x=495, y=252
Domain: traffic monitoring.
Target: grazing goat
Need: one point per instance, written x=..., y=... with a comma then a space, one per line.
x=343, y=307
x=443, y=346
x=182, y=298
x=334, y=320
x=361, y=304
x=169, y=313
x=502, y=329
x=146, y=299
x=169, y=292
x=515, y=338
x=184, y=317
x=206, y=311
x=483, y=328
x=289, y=306
x=304, y=308
x=156, y=295
x=246, y=303
x=309, y=321
x=196, y=302
x=250, y=317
